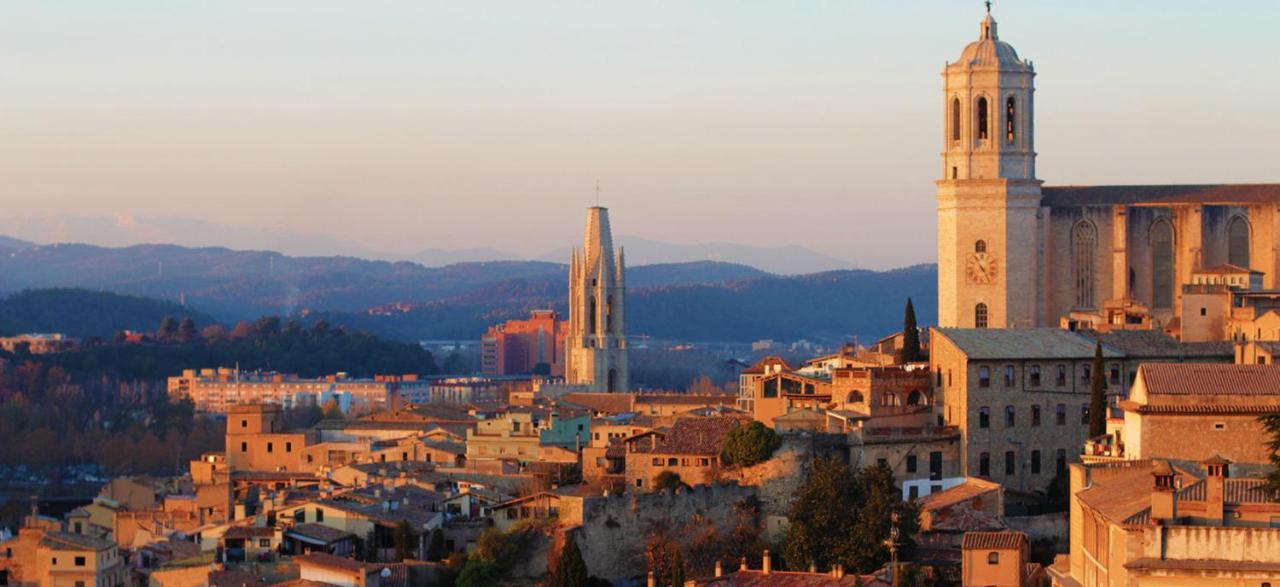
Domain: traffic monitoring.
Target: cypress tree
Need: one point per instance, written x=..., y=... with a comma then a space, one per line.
x=435, y=548
x=1097, y=396
x=910, y=352
x=570, y=570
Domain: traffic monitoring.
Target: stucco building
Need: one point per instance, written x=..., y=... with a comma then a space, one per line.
x=519, y=347
x=1013, y=253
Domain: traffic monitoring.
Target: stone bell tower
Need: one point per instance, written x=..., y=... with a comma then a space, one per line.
x=596, y=353
x=988, y=197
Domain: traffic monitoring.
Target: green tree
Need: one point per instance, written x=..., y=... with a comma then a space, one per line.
x=751, y=444
x=677, y=568
x=844, y=516
x=1097, y=395
x=187, y=331
x=167, y=329
x=910, y=352
x=569, y=570
x=542, y=368
x=435, y=548
x=454, y=364
x=667, y=480
x=406, y=542
x=1271, y=422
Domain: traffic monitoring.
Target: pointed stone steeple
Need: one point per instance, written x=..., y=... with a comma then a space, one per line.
x=596, y=352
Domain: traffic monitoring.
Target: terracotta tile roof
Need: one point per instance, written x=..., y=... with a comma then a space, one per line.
x=1230, y=566
x=1153, y=343
x=1024, y=343
x=1135, y=407
x=1210, y=379
x=686, y=399
x=770, y=360
x=691, y=436
x=971, y=488
x=1119, y=490
x=249, y=532
x=319, y=532
x=609, y=403
x=71, y=541
x=993, y=540
x=329, y=561
x=789, y=579
x=1071, y=196
x=1236, y=491
x=1227, y=268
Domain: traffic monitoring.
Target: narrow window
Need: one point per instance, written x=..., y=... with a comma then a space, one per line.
x=911, y=463
x=1162, y=264
x=1035, y=375
x=1035, y=415
x=319, y=515
x=1086, y=374
x=980, y=316
x=1238, y=242
x=1062, y=461
x=984, y=417
x=1010, y=114
x=984, y=464
x=1008, y=375
x=1035, y=462
x=1061, y=415
x=1010, y=462
x=1010, y=416
x=982, y=119
x=1115, y=375
x=980, y=246
x=984, y=377
x=244, y=447
x=1062, y=375
x=955, y=120
x=1084, y=249
x=1084, y=413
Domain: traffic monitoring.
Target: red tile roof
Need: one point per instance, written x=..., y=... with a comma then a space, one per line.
x=691, y=436
x=1210, y=379
x=993, y=540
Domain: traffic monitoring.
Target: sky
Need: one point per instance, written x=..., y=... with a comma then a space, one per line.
x=407, y=125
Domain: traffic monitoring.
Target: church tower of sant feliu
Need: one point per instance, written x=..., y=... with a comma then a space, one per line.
x=596, y=348
x=988, y=197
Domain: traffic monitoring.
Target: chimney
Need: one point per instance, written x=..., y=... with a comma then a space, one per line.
x=719, y=570
x=742, y=567
x=1217, y=469
x=837, y=571
x=1164, y=498
x=766, y=565
x=651, y=581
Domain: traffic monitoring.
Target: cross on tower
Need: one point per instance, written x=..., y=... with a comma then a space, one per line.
x=988, y=3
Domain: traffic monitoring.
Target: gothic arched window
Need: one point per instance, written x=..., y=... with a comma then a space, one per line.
x=980, y=316
x=955, y=119
x=1238, y=242
x=980, y=247
x=1162, y=264
x=1010, y=115
x=1084, y=249
x=982, y=119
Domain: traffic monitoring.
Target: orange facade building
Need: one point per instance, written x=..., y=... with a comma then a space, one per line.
x=517, y=346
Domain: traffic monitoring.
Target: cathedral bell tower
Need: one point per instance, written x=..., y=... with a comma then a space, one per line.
x=596, y=346
x=988, y=197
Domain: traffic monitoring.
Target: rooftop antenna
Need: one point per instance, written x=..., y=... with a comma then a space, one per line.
x=988, y=3
x=597, y=193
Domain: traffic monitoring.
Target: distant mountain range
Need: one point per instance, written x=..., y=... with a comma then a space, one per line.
x=125, y=230
x=698, y=300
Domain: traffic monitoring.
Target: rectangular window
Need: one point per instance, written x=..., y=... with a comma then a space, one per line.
x=984, y=417
x=913, y=492
x=911, y=463
x=1084, y=413
x=1115, y=375
x=1010, y=415
x=1009, y=462
x=1035, y=415
x=1062, y=414
x=244, y=447
x=657, y=461
x=984, y=464
x=1008, y=375
x=1035, y=462
x=935, y=465
x=79, y=561
x=984, y=377
x=1035, y=375
x=1086, y=374
x=264, y=543
x=269, y=447
x=319, y=515
x=1062, y=375
x=288, y=447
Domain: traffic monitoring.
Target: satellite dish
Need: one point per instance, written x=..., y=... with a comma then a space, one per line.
x=386, y=573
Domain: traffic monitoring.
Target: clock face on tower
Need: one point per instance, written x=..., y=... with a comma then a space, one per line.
x=981, y=268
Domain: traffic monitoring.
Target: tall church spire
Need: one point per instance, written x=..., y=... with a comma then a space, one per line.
x=596, y=353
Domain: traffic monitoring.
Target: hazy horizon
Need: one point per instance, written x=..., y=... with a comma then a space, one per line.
x=405, y=126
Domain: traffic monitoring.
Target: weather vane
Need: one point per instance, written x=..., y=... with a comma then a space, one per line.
x=988, y=3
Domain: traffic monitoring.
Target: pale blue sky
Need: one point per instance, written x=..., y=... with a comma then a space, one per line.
x=414, y=124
